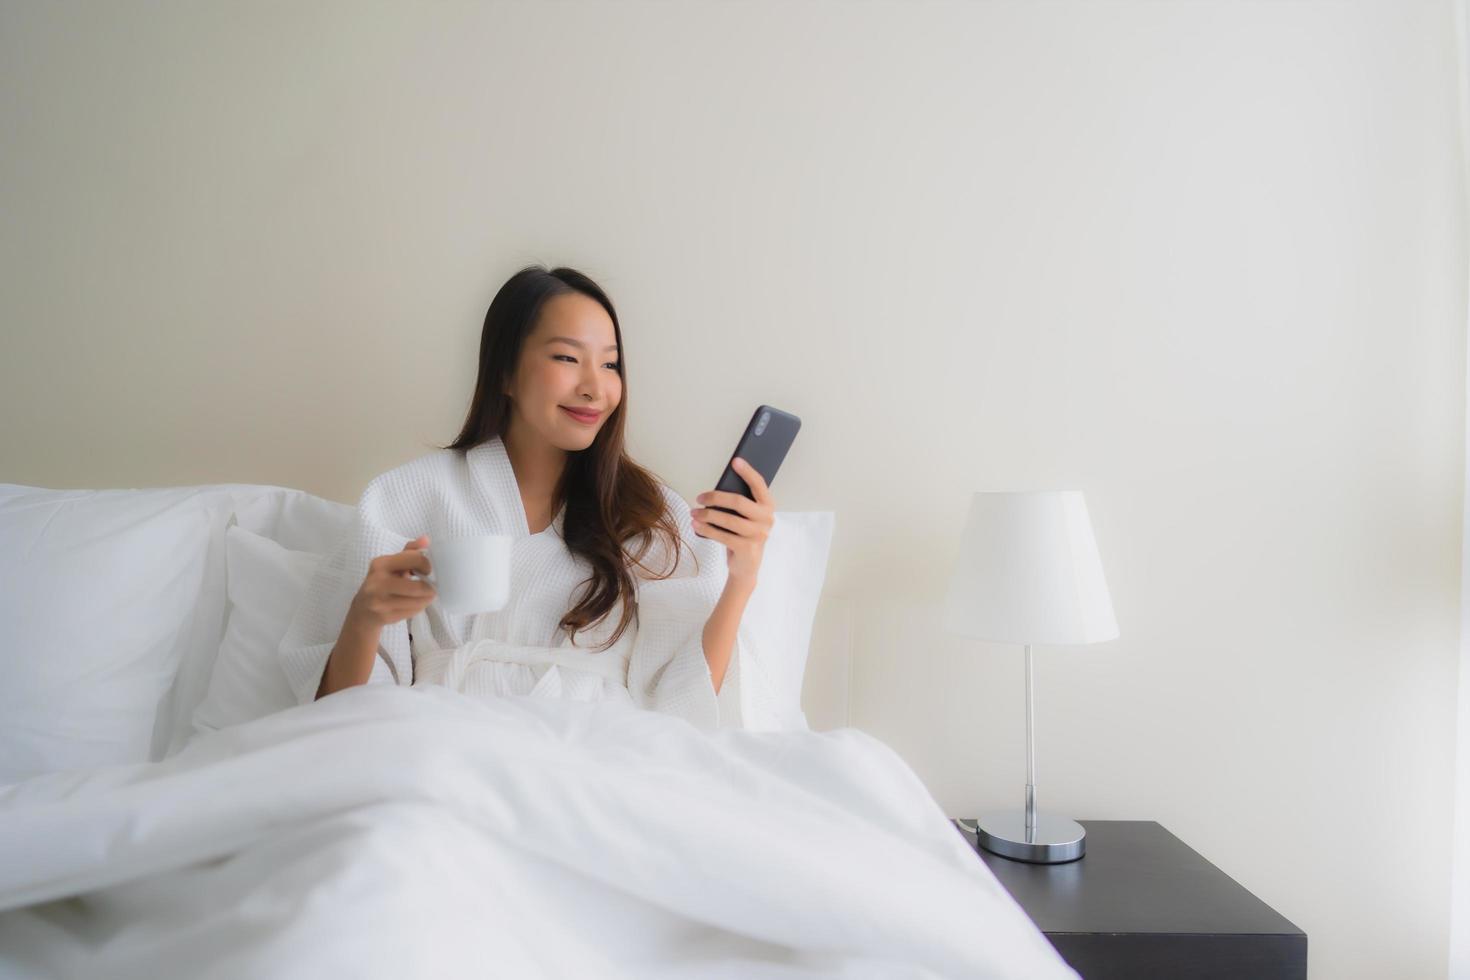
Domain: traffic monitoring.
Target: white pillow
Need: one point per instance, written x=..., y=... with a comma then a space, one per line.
x=781, y=610
x=96, y=589
x=297, y=520
x=265, y=582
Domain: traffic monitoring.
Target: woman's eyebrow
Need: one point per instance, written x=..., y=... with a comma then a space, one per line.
x=576, y=343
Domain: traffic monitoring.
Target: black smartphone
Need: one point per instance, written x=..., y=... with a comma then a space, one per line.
x=767, y=437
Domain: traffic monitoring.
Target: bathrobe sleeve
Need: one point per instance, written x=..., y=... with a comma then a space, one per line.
x=667, y=669
x=317, y=621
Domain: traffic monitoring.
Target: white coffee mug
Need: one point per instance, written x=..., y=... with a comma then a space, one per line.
x=469, y=574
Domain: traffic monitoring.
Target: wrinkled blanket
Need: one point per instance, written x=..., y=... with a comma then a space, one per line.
x=389, y=831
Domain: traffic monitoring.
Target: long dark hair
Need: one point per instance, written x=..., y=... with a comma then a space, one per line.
x=610, y=499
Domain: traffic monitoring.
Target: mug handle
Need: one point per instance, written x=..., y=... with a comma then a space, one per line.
x=425, y=578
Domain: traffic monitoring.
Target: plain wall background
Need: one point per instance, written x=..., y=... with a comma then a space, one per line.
x=1203, y=261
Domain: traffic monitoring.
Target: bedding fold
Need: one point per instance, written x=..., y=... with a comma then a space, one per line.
x=520, y=836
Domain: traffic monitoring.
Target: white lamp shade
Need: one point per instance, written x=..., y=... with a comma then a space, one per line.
x=1028, y=572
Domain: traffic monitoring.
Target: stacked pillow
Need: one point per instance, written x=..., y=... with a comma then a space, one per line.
x=296, y=518
x=781, y=610
x=139, y=619
x=266, y=580
x=272, y=548
x=100, y=593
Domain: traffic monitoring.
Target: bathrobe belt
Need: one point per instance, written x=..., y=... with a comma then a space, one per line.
x=611, y=663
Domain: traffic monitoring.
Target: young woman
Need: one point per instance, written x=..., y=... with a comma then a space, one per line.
x=618, y=589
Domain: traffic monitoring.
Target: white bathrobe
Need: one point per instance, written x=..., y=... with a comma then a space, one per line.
x=658, y=663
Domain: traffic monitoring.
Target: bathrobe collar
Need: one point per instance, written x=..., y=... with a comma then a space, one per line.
x=495, y=478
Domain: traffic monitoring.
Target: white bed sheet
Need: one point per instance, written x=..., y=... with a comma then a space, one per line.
x=390, y=831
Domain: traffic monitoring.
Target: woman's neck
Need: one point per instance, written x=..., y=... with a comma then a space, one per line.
x=538, y=465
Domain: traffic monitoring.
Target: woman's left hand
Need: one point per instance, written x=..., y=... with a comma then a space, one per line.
x=743, y=534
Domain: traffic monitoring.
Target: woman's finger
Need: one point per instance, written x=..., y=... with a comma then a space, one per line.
x=753, y=479
x=715, y=533
x=730, y=522
x=411, y=588
x=737, y=502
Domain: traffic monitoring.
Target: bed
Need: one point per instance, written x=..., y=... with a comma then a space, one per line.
x=166, y=809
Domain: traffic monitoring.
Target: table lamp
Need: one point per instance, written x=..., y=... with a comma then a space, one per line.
x=1028, y=572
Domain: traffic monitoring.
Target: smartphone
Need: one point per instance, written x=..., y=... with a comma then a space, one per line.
x=767, y=437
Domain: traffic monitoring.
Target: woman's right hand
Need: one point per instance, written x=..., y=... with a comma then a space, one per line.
x=388, y=595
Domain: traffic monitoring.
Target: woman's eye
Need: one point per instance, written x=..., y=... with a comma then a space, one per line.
x=611, y=364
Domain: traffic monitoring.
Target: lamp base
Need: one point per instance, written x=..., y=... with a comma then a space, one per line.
x=1053, y=839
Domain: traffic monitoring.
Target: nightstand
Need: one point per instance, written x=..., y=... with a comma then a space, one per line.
x=1142, y=903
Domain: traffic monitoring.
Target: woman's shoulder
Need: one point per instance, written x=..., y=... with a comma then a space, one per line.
x=410, y=487
x=691, y=554
x=674, y=503
x=675, y=508
x=437, y=464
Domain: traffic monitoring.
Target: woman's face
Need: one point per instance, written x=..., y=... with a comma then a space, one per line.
x=570, y=360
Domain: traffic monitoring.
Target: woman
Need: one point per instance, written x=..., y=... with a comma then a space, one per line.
x=618, y=589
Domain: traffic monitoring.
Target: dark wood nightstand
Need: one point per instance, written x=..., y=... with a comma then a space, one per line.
x=1142, y=903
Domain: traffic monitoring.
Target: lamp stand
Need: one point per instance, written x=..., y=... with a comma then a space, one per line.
x=1025, y=835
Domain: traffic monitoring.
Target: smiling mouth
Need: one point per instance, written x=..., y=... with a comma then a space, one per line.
x=581, y=416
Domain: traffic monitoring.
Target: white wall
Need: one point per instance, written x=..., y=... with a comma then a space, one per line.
x=1459, y=956
x=1204, y=261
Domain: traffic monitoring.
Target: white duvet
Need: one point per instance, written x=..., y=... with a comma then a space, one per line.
x=402, y=832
